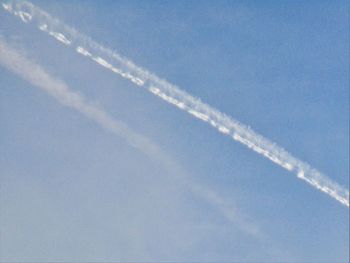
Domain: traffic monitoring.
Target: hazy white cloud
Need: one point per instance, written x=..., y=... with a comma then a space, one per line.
x=38, y=77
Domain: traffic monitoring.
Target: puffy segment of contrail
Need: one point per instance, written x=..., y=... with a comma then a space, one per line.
x=175, y=96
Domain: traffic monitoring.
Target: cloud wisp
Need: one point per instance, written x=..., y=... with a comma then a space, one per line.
x=37, y=76
x=170, y=93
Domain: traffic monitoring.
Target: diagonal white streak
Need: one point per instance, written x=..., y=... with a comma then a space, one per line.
x=175, y=96
x=37, y=76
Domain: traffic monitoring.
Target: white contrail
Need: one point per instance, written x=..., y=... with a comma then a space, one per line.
x=173, y=95
x=38, y=77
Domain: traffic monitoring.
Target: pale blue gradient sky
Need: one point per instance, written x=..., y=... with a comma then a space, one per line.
x=71, y=191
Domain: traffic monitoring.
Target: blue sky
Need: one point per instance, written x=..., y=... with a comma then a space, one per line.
x=72, y=191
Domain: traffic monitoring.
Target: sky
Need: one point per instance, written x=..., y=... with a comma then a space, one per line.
x=74, y=191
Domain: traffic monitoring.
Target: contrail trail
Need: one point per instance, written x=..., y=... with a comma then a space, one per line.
x=37, y=76
x=175, y=96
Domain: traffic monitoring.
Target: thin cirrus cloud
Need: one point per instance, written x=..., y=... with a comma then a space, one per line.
x=175, y=96
x=37, y=76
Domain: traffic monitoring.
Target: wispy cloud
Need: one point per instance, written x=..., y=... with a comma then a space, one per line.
x=37, y=76
x=175, y=96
